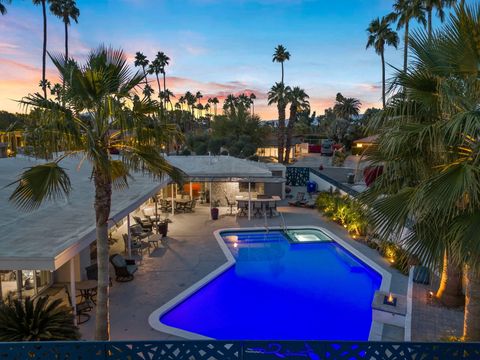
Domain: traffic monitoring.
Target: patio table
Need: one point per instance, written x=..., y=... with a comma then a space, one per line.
x=88, y=289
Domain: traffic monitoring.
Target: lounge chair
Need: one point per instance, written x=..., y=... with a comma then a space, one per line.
x=82, y=308
x=299, y=201
x=146, y=224
x=124, y=268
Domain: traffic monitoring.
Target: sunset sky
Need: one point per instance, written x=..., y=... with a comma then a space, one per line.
x=217, y=47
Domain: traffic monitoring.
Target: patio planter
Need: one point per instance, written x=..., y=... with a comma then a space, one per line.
x=214, y=213
x=163, y=228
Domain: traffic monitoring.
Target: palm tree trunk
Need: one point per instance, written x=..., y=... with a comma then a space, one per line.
x=429, y=14
x=288, y=142
x=103, y=195
x=44, y=50
x=383, y=78
x=66, y=40
x=450, y=290
x=281, y=131
x=471, y=322
x=282, y=71
x=158, y=83
x=405, y=50
x=253, y=109
x=164, y=89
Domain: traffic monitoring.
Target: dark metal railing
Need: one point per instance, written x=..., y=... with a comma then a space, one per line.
x=243, y=350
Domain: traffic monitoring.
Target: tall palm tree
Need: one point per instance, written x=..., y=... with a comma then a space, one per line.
x=281, y=55
x=142, y=61
x=403, y=12
x=379, y=35
x=298, y=100
x=101, y=112
x=37, y=320
x=230, y=104
x=43, y=83
x=430, y=149
x=65, y=10
x=3, y=8
x=440, y=6
x=278, y=95
x=252, y=101
x=156, y=68
x=215, y=102
x=346, y=108
x=163, y=60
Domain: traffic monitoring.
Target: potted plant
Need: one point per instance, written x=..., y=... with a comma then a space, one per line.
x=214, y=210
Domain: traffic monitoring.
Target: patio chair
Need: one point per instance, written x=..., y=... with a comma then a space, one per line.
x=124, y=268
x=299, y=200
x=144, y=223
x=271, y=207
x=92, y=274
x=135, y=245
x=257, y=208
x=242, y=208
x=230, y=204
x=82, y=308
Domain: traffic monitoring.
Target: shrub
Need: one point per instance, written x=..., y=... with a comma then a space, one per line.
x=339, y=158
x=36, y=320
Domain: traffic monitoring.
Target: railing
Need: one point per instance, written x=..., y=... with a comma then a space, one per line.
x=335, y=183
x=243, y=350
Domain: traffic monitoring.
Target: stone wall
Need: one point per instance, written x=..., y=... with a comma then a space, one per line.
x=232, y=189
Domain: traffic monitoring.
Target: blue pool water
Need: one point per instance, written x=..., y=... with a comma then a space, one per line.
x=282, y=290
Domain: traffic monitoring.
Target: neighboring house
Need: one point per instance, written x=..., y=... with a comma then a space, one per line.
x=269, y=149
x=360, y=145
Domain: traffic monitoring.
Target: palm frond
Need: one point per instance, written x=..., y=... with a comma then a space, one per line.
x=38, y=183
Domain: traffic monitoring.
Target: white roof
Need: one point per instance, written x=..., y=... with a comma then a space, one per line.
x=46, y=238
x=222, y=168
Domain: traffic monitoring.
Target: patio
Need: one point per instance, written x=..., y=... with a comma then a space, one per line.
x=190, y=253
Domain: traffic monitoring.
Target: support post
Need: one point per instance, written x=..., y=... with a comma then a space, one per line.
x=35, y=285
x=210, y=194
x=191, y=191
x=129, y=238
x=73, y=291
x=19, y=276
x=173, y=200
x=249, y=201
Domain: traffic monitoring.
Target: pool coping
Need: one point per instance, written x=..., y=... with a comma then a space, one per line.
x=376, y=329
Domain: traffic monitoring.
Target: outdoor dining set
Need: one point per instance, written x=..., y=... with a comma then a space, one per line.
x=261, y=206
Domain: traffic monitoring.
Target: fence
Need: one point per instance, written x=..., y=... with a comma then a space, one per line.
x=243, y=350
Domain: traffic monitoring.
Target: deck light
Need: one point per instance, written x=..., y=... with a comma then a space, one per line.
x=390, y=300
x=235, y=245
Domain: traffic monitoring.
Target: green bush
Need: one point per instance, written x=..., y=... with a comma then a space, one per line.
x=343, y=210
x=339, y=158
x=36, y=320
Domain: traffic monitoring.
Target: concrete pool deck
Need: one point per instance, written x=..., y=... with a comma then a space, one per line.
x=190, y=253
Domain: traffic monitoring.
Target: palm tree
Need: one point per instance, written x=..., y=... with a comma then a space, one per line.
x=278, y=95
x=155, y=68
x=230, y=104
x=346, y=108
x=215, y=102
x=403, y=12
x=142, y=61
x=43, y=83
x=163, y=60
x=36, y=320
x=281, y=55
x=440, y=5
x=379, y=35
x=65, y=10
x=3, y=8
x=101, y=112
x=252, y=101
x=430, y=149
x=298, y=99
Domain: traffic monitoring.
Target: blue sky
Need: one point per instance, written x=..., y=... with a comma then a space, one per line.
x=216, y=46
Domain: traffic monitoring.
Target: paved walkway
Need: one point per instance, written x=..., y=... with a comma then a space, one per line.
x=432, y=322
x=190, y=253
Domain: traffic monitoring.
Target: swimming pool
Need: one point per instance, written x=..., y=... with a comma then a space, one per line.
x=286, y=286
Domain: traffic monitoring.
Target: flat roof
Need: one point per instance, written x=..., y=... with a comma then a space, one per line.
x=46, y=238
x=224, y=168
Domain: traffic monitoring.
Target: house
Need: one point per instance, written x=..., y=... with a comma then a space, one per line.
x=359, y=146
